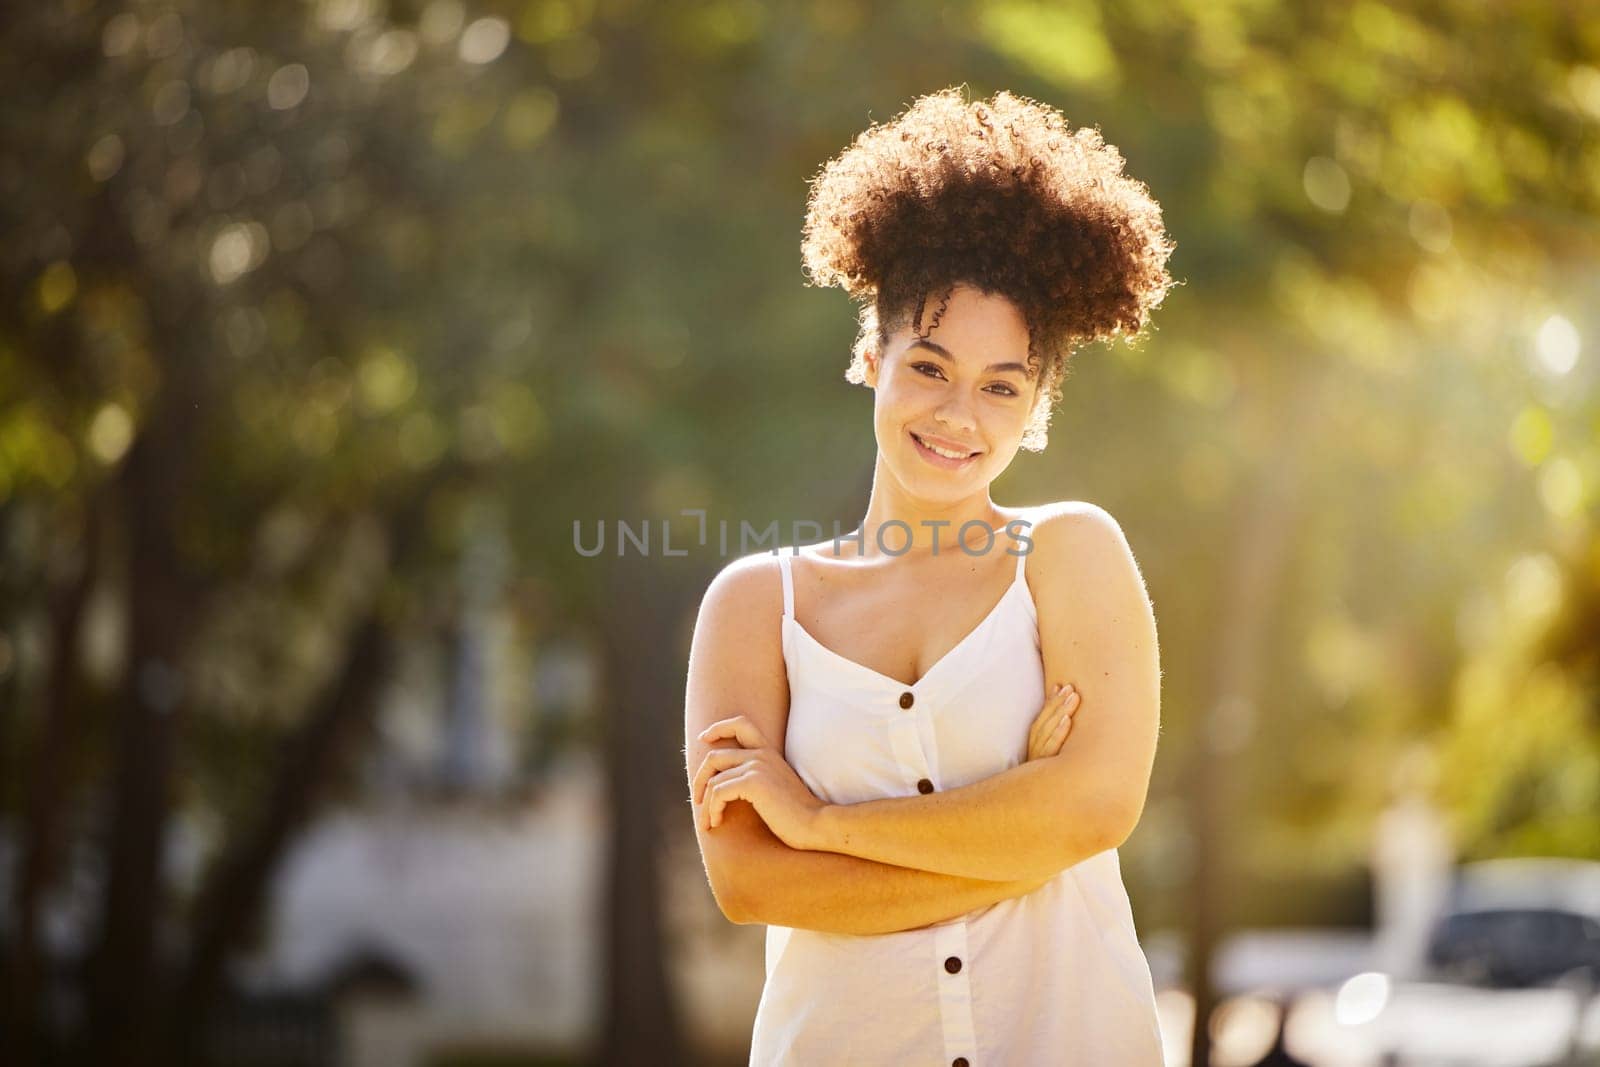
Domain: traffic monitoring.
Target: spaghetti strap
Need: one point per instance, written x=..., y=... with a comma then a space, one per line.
x=788, y=583
x=1022, y=556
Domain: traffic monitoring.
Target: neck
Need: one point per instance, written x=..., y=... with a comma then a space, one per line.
x=907, y=525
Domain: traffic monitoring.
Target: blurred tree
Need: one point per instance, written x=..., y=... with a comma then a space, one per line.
x=288, y=290
x=224, y=221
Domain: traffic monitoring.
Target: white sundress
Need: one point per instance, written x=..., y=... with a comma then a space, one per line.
x=1053, y=977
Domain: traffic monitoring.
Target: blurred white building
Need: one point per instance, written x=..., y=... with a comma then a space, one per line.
x=494, y=915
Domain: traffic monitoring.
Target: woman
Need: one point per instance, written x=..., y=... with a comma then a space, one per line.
x=878, y=770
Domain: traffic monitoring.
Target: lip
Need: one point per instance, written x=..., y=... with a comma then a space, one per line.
x=937, y=460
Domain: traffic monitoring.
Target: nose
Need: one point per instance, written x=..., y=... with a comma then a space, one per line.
x=957, y=415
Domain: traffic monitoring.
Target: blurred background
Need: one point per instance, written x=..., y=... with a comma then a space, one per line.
x=331, y=331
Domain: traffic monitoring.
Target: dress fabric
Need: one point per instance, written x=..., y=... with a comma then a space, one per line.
x=1053, y=977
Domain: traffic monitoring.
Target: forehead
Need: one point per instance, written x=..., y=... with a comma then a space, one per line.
x=973, y=327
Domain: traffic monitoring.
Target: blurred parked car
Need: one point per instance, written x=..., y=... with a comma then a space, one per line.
x=1510, y=978
x=1514, y=948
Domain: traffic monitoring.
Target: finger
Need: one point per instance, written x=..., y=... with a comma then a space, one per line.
x=1063, y=724
x=1068, y=709
x=728, y=759
x=1043, y=729
x=720, y=791
x=1058, y=734
x=1064, y=727
x=737, y=727
x=717, y=759
x=1045, y=722
x=1040, y=728
x=1058, y=697
x=723, y=791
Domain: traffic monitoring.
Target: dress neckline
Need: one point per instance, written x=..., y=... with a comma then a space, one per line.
x=1020, y=581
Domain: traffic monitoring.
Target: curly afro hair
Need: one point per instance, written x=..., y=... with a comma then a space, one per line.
x=1001, y=195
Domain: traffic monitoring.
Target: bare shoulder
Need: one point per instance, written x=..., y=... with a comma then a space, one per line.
x=1074, y=541
x=736, y=664
x=1069, y=513
x=747, y=588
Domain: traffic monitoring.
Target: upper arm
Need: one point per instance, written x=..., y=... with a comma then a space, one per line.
x=1097, y=630
x=736, y=667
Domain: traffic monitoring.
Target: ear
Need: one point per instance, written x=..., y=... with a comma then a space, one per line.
x=870, y=356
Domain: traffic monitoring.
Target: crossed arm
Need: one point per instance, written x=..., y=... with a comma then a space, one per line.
x=756, y=878
x=841, y=893
x=937, y=856
x=1028, y=822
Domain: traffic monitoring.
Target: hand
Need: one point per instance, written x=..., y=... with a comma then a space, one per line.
x=754, y=772
x=1053, y=723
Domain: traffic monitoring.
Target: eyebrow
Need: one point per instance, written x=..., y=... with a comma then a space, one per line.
x=940, y=350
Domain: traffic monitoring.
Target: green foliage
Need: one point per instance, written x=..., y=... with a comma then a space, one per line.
x=335, y=247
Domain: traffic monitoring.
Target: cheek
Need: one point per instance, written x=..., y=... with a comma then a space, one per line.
x=1002, y=422
x=895, y=405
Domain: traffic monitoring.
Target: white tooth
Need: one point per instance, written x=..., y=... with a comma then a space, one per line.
x=947, y=454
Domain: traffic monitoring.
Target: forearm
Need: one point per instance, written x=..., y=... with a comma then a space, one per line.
x=835, y=893
x=1027, y=822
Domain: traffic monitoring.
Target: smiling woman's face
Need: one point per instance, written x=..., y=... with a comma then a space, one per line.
x=963, y=390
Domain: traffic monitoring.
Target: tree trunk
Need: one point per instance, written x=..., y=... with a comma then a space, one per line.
x=163, y=601
x=50, y=765
x=644, y=683
x=1255, y=568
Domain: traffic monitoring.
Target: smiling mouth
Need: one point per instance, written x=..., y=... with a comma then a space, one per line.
x=938, y=454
